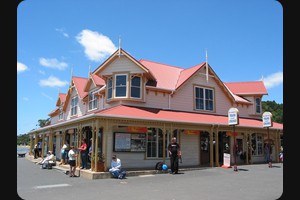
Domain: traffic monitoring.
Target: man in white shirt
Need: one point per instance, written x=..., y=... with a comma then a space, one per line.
x=115, y=166
x=49, y=157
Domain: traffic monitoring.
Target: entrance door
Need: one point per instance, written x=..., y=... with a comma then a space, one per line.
x=224, y=146
x=204, y=148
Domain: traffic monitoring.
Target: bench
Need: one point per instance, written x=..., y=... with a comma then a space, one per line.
x=21, y=154
x=53, y=161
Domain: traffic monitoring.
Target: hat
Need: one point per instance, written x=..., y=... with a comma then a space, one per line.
x=91, y=138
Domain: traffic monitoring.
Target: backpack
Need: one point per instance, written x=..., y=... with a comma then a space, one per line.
x=122, y=175
x=159, y=165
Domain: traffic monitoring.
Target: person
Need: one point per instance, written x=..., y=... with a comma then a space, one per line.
x=281, y=154
x=64, y=153
x=83, y=154
x=266, y=152
x=72, y=161
x=49, y=157
x=115, y=166
x=36, y=151
x=90, y=150
x=174, y=154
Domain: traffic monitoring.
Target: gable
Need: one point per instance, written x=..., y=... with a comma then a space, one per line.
x=122, y=64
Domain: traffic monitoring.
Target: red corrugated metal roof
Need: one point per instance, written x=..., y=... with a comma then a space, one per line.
x=97, y=80
x=79, y=83
x=178, y=116
x=247, y=88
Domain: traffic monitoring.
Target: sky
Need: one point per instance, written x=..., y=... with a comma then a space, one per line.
x=58, y=39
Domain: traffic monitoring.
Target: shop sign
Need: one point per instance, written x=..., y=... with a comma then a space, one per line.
x=135, y=129
x=191, y=132
x=267, y=119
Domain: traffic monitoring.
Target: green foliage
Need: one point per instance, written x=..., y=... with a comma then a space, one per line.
x=274, y=108
x=44, y=122
x=23, y=139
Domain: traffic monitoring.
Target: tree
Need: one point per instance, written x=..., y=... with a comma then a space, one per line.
x=274, y=108
x=44, y=122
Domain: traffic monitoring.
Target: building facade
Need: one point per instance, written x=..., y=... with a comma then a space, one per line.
x=132, y=108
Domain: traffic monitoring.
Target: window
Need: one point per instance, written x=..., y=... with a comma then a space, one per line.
x=61, y=114
x=204, y=99
x=155, y=143
x=257, y=144
x=121, y=85
x=258, y=105
x=74, y=106
x=93, y=101
x=109, y=88
x=135, y=90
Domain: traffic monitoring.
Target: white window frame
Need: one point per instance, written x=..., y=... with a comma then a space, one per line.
x=259, y=147
x=204, y=99
x=110, y=88
x=61, y=114
x=121, y=86
x=93, y=101
x=74, y=105
x=139, y=87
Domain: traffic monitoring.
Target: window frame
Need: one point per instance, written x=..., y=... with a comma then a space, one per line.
x=93, y=102
x=204, y=100
x=116, y=87
x=139, y=87
x=74, y=106
x=258, y=105
x=259, y=148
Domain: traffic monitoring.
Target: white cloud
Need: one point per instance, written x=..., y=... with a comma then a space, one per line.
x=25, y=98
x=42, y=72
x=47, y=96
x=96, y=46
x=62, y=31
x=273, y=80
x=21, y=67
x=53, y=63
x=53, y=81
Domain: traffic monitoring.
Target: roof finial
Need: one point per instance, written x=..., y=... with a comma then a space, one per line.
x=119, y=45
x=71, y=75
x=89, y=70
x=206, y=64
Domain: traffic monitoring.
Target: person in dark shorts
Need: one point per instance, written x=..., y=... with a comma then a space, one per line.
x=174, y=154
x=72, y=161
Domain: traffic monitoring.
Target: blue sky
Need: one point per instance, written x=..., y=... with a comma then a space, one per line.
x=243, y=39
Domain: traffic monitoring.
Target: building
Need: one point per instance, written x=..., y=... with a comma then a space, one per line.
x=132, y=108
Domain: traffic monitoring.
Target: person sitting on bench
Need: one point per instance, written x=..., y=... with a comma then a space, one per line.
x=49, y=157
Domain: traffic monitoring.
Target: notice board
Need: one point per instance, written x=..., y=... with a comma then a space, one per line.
x=129, y=142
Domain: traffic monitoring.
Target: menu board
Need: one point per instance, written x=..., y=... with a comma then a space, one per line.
x=130, y=142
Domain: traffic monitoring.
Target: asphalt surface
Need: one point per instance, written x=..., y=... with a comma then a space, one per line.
x=250, y=182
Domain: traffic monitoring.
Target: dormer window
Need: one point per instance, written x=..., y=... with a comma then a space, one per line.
x=109, y=88
x=93, y=101
x=125, y=87
x=121, y=85
x=61, y=114
x=258, y=105
x=136, y=87
x=74, y=103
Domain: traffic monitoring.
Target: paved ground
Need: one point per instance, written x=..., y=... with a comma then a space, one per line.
x=250, y=182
